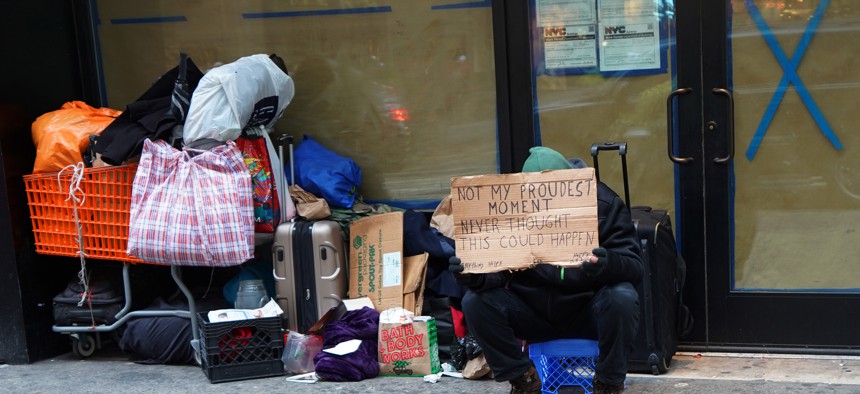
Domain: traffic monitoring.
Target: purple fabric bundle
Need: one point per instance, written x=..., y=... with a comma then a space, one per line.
x=362, y=364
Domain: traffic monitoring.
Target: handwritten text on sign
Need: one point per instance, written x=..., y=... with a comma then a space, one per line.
x=513, y=221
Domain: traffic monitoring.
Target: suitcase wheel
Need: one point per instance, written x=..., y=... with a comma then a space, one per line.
x=84, y=345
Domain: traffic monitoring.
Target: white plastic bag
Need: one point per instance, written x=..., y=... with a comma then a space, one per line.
x=251, y=91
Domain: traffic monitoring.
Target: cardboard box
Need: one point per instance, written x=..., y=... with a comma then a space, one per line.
x=414, y=273
x=409, y=349
x=376, y=259
x=377, y=269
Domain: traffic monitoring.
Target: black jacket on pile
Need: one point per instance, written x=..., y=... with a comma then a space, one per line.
x=557, y=299
x=148, y=117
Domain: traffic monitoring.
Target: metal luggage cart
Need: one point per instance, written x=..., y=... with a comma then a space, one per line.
x=98, y=225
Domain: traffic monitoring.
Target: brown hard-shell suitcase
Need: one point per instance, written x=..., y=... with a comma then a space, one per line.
x=310, y=270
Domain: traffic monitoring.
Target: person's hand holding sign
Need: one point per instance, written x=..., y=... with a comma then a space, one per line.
x=596, y=264
x=471, y=281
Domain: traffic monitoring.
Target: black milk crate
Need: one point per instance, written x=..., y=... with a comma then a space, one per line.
x=241, y=349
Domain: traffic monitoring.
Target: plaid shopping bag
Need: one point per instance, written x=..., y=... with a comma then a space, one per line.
x=191, y=210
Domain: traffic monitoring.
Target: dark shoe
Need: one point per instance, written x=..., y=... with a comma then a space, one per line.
x=527, y=383
x=603, y=388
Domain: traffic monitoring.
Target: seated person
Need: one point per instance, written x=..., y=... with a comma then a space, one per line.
x=543, y=303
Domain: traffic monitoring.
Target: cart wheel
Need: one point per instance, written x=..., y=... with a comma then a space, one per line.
x=84, y=346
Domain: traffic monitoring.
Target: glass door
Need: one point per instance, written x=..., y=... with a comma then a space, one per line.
x=777, y=153
x=756, y=99
x=613, y=70
x=601, y=72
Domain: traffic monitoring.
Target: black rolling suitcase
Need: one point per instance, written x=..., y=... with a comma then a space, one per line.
x=664, y=317
x=310, y=269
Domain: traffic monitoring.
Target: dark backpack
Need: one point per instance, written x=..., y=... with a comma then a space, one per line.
x=103, y=300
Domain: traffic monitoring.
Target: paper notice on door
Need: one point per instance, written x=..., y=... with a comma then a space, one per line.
x=629, y=45
x=617, y=9
x=565, y=12
x=570, y=46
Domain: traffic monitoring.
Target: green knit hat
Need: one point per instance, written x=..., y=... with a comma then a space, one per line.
x=543, y=158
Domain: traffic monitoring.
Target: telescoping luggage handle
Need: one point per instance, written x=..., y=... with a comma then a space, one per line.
x=289, y=140
x=285, y=138
x=621, y=147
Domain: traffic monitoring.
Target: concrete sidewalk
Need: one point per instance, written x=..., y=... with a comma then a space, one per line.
x=109, y=371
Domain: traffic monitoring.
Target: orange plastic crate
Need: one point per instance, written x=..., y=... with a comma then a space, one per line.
x=104, y=214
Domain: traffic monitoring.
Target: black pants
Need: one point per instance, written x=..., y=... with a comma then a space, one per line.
x=498, y=319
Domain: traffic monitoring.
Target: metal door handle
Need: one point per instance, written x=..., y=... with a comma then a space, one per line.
x=731, y=130
x=670, y=124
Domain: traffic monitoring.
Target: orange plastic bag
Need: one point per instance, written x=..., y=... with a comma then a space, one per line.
x=61, y=136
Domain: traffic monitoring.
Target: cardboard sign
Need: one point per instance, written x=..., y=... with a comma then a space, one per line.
x=409, y=349
x=514, y=221
x=376, y=259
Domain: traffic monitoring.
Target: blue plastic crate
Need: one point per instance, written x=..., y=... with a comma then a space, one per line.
x=564, y=362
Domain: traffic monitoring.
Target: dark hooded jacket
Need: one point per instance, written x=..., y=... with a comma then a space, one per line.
x=561, y=294
x=149, y=117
